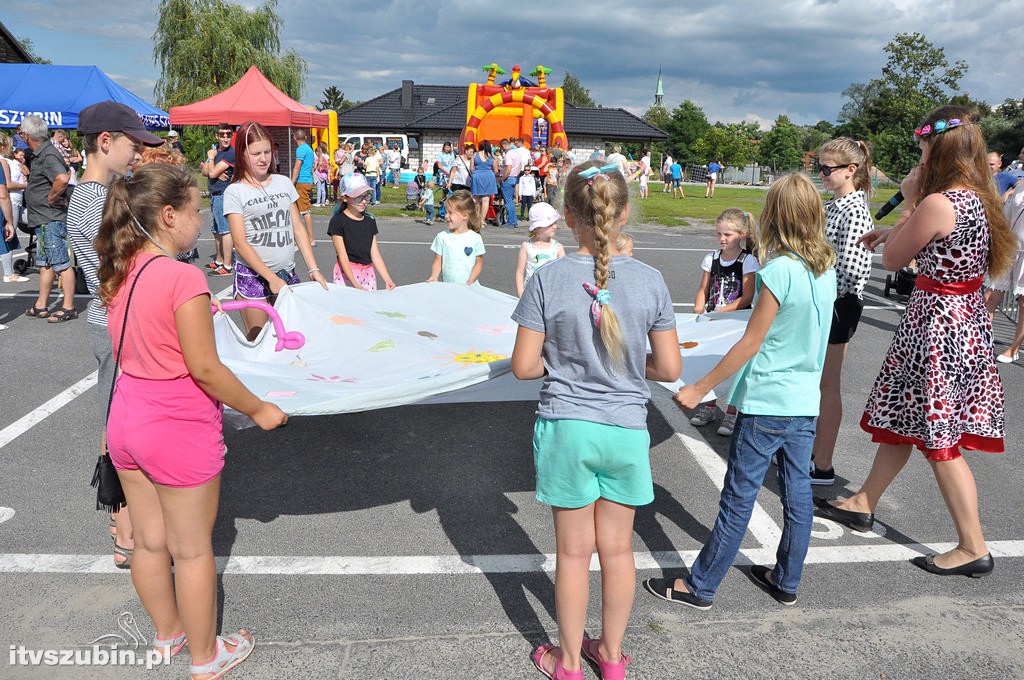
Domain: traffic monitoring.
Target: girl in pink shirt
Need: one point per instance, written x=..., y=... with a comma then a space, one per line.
x=164, y=426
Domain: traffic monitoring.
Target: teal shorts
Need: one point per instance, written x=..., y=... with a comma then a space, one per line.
x=578, y=462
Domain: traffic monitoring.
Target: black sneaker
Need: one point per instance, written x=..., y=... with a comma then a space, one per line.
x=821, y=477
x=760, y=575
x=663, y=588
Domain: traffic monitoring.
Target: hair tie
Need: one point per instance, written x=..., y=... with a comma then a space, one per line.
x=602, y=297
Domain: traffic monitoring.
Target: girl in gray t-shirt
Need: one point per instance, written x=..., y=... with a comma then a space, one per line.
x=584, y=322
x=265, y=226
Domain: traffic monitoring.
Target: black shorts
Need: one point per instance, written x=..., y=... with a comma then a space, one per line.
x=845, y=318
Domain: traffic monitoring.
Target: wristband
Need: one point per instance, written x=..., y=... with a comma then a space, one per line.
x=314, y=269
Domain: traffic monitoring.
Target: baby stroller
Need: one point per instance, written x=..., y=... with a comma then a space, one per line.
x=412, y=196
x=496, y=211
x=22, y=266
x=902, y=281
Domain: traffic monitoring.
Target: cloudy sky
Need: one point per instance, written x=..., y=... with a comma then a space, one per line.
x=739, y=60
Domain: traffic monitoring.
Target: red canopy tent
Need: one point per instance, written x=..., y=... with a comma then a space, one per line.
x=253, y=97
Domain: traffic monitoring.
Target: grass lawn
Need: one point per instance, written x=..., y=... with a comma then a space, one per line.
x=695, y=210
x=659, y=208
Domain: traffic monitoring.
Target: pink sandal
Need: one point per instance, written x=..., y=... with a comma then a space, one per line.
x=225, y=660
x=609, y=671
x=560, y=673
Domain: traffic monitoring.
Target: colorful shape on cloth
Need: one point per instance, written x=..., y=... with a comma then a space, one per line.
x=382, y=346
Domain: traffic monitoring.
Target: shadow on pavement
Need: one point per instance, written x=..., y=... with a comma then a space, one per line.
x=459, y=460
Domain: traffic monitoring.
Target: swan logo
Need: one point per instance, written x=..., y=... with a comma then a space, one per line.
x=127, y=647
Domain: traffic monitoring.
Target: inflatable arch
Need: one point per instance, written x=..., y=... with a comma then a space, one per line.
x=508, y=109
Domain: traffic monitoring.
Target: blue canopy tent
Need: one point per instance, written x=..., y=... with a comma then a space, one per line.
x=58, y=93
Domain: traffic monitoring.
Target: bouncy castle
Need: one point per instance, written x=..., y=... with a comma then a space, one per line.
x=515, y=108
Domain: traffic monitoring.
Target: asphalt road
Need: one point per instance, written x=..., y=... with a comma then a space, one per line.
x=406, y=542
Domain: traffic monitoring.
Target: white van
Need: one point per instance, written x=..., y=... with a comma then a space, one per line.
x=409, y=147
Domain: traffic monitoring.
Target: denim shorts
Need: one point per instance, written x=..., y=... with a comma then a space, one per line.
x=220, y=220
x=252, y=286
x=578, y=462
x=52, y=246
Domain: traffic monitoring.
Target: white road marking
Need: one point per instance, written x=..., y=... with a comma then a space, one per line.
x=6, y=514
x=762, y=527
x=30, y=420
x=338, y=565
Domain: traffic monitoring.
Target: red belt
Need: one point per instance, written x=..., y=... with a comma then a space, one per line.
x=948, y=288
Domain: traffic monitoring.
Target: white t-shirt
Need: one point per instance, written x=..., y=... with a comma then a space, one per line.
x=527, y=185
x=266, y=212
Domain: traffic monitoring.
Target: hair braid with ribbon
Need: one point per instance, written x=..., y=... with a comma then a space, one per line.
x=597, y=197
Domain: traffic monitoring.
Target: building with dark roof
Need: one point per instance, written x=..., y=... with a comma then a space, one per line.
x=12, y=51
x=431, y=115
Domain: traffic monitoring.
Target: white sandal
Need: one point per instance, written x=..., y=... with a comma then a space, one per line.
x=171, y=646
x=226, y=660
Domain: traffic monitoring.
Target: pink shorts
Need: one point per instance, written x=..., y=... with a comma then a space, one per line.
x=364, y=274
x=169, y=429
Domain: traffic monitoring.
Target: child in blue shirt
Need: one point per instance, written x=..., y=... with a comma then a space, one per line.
x=676, y=170
x=776, y=391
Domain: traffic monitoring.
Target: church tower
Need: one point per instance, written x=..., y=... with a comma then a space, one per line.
x=659, y=94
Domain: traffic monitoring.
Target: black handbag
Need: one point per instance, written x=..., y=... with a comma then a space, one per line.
x=109, y=494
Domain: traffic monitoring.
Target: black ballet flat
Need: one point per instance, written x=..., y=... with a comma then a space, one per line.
x=858, y=521
x=982, y=566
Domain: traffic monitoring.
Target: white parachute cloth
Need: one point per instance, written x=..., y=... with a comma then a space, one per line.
x=421, y=343
x=370, y=350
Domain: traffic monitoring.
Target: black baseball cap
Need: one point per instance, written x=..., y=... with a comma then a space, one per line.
x=110, y=116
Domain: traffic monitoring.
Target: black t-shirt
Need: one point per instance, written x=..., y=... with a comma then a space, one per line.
x=357, y=235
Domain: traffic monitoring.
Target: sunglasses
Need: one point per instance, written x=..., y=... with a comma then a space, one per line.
x=224, y=134
x=827, y=170
x=361, y=198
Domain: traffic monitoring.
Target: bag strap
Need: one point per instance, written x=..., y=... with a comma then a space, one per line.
x=124, y=326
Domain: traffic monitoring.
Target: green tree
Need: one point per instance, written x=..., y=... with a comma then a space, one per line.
x=1004, y=129
x=574, y=92
x=685, y=126
x=780, y=147
x=658, y=116
x=732, y=144
x=30, y=47
x=813, y=136
x=916, y=78
x=205, y=46
x=334, y=99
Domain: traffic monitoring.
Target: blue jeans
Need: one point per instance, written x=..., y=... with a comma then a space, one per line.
x=754, y=441
x=508, y=192
x=430, y=212
x=377, y=184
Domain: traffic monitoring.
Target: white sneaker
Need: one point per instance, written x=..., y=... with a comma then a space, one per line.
x=1004, y=359
x=728, y=425
x=3, y=327
x=705, y=414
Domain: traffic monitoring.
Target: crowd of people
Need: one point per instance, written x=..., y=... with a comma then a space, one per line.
x=593, y=322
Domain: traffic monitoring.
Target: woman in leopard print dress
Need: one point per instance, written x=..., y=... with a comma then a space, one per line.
x=938, y=388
